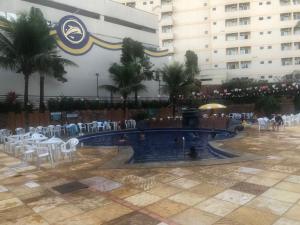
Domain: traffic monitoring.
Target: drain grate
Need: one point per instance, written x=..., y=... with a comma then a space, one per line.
x=70, y=187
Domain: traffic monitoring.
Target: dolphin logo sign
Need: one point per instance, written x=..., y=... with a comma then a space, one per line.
x=72, y=32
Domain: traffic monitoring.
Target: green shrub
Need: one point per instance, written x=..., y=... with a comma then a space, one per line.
x=268, y=105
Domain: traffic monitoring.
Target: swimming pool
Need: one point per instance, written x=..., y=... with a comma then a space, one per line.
x=158, y=145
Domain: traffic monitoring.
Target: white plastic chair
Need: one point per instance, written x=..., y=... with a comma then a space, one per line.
x=69, y=148
x=51, y=130
x=43, y=153
x=28, y=152
x=20, y=130
x=82, y=127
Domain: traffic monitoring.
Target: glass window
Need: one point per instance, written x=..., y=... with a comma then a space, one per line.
x=231, y=22
x=286, y=31
x=245, y=64
x=286, y=46
x=296, y=2
x=297, y=61
x=245, y=50
x=296, y=15
x=244, y=6
x=231, y=37
x=296, y=30
x=244, y=20
x=297, y=45
x=285, y=2
x=285, y=16
x=166, y=29
x=232, y=65
x=231, y=8
x=232, y=51
x=244, y=35
x=286, y=61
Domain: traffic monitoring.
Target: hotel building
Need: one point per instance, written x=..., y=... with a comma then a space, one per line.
x=256, y=39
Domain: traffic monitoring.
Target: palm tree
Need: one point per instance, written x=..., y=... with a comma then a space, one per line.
x=24, y=44
x=177, y=82
x=53, y=65
x=125, y=82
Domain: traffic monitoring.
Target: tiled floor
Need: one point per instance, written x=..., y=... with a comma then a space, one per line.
x=261, y=192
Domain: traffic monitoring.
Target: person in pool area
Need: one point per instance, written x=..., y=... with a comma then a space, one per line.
x=193, y=153
x=278, y=122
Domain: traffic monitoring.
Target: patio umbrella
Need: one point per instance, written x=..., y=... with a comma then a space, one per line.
x=212, y=106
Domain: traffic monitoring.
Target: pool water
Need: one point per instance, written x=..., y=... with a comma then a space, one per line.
x=157, y=145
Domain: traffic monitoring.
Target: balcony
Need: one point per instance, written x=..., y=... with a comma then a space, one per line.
x=166, y=36
x=167, y=8
x=166, y=22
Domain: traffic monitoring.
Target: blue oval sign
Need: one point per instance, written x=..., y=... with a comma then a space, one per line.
x=72, y=32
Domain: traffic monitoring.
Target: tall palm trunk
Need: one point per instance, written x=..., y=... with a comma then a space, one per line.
x=42, y=93
x=26, y=108
x=111, y=98
x=173, y=106
x=124, y=108
x=136, y=97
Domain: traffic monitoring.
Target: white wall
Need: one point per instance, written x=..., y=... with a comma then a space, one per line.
x=82, y=79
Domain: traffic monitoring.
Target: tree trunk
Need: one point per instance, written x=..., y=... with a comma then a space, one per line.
x=173, y=106
x=136, y=97
x=26, y=108
x=111, y=98
x=42, y=94
x=124, y=108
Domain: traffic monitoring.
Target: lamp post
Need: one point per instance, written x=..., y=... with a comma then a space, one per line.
x=97, y=75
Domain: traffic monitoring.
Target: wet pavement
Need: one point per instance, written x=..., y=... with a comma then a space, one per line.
x=257, y=192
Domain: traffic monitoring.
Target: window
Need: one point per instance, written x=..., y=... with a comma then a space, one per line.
x=261, y=33
x=232, y=65
x=167, y=43
x=244, y=35
x=297, y=61
x=231, y=37
x=297, y=30
x=231, y=22
x=245, y=50
x=285, y=16
x=166, y=15
x=286, y=46
x=268, y=3
x=260, y=3
x=245, y=64
x=269, y=32
x=296, y=15
x=215, y=37
x=205, y=18
x=270, y=61
x=269, y=47
x=285, y=2
x=286, y=61
x=166, y=2
x=244, y=6
x=144, y=3
x=206, y=46
x=166, y=29
x=216, y=66
x=231, y=8
x=297, y=45
x=269, y=17
x=296, y=2
x=286, y=31
x=244, y=20
x=261, y=47
x=232, y=51
x=215, y=51
x=262, y=62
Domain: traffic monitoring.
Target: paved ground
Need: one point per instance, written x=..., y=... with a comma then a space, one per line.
x=259, y=192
